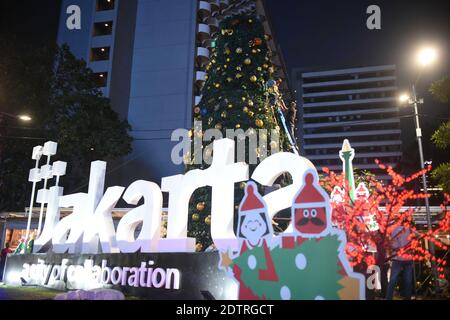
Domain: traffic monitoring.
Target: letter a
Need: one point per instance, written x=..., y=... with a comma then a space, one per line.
x=374, y=21
x=74, y=20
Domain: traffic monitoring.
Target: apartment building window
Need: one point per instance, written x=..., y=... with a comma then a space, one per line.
x=103, y=5
x=101, y=79
x=103, y=28
x=100, y=54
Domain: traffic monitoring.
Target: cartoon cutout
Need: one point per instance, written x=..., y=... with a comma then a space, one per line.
x=254, y=233
x=362, y=193
x=267, y=268
x=253, y=225
x=311, y=211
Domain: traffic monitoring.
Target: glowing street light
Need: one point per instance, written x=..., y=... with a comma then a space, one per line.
x=25, y=117
x=22, y=117
x=403, y=98
x=426, y=56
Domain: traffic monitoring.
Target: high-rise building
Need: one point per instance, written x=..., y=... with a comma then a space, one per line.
x=149, y=57
x=358, y=104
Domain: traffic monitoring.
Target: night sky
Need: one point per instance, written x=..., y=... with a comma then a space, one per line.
x=314, y=34
x=311, y=33
x=324, y=33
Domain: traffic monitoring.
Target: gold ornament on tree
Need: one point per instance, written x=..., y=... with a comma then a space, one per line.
x=253, y=78
x=208, y=220
x=259, y=123
x=195, y=217
x=248, y=61
x=200, y=206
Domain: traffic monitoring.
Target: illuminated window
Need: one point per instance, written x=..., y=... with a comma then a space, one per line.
x=103, y=28
x=103, y=5
x=99, y=54
x=101, y=79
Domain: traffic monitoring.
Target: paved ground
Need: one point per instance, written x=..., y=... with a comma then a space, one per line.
x=13, y=293
x=36, y=293
x=31, y=293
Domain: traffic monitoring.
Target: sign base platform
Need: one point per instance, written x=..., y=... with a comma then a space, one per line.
x=155, y=276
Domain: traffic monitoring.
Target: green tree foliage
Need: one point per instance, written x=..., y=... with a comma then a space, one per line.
x=60, y=93
x=235, y=96
x=442, y=175
x=441, y=137
x=440, y=89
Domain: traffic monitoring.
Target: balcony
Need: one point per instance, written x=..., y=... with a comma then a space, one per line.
x=204, y=9
x=208, y=43
x=213, y=24
x=215, y=5
x=202, y=56
x=223, y=4
x=204, y=32
x=197, y=101
x=200, y=77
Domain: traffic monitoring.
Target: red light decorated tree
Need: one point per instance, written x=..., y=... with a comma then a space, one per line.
x=369, y=219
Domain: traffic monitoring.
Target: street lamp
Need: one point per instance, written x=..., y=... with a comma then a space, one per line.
x=22, y=117
x=425, y=57
x=25, y=117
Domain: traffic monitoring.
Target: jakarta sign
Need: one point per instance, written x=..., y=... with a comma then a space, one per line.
x=90, y=229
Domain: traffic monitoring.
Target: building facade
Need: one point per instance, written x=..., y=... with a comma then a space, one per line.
x=358, y=104
x=149, y=58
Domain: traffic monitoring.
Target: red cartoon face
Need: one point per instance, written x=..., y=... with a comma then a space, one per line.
x=310, y=220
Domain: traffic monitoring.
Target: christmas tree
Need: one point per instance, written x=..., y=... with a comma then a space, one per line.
x=240, y=93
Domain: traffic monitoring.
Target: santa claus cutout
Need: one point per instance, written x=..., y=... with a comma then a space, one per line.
x=311, y=211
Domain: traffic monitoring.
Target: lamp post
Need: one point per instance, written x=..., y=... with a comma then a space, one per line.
x=425, y=57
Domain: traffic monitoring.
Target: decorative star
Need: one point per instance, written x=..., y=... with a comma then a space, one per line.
x=225, y=260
